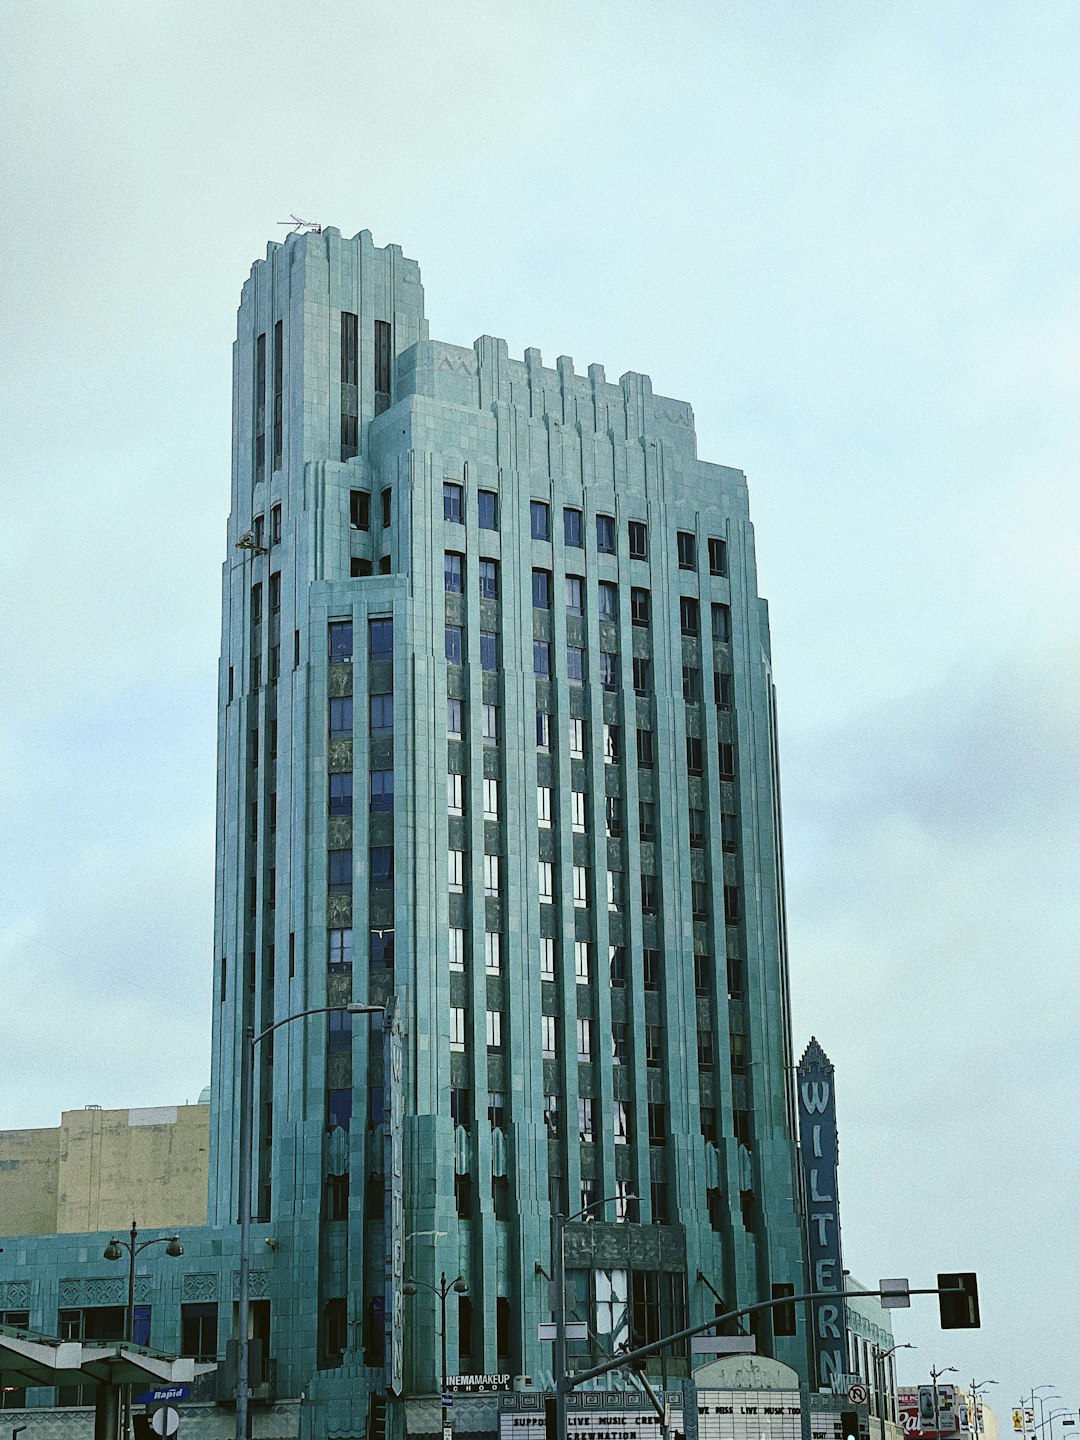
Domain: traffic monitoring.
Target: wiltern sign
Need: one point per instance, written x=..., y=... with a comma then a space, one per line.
x=819, y=1154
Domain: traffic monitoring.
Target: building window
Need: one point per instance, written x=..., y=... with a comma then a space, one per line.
x=489, y=715
x=581, y=885
x=731, y=904
x=494, y=1031
x=383, y=363
x=704, y=1049
x=453, y=502
x=575, y=664
x=541, y=589
x=691, y=684
x=684, y=544
x=461, y=1107
x=454, y=719
x=621, y=1122
x=543, y=731
x=584, y=1038
x=340, y=634
x=638, y=536
x=605, y=534
x=639, y=607
x=572, y=529
x=382, y=791
x=651, y=965
x=542, y=659
x=612, y=744
x=581, y=961
x=489, y=650
x=585, y=1118
x=657, y=1122
x=620, y=1042
x=198, y=1332
x=734, y=977
x=382, y=866
x=699, y=899
x=614, y=890
x=339, y=869
x=455, y=794
x=341, y=794
x=617, y=964
x=492, y=952
x=260, y=406
x=697, y=829
x=546, y=871
x=548, y=1043
x=491, y=876
x=577, y=737
x=456, y=871
x=578, y=801
x=688, y=615
x=457, y=948
x=726, y=755
x=454, y=572
x=649, y=894
x=491, y=799
x=455, y=645
x=645, y=749
x=575, y=595
x=540, y=519
x=738, y=1054
x=488, y=576
x=717, y=556
x=722, y=688
x=487, y=510
x=457, y=1027
x=381, y=713
x=341, y=715
x=338, y=1109
x=721, y=624
x=381, y=953
x=547, y=958
x=275, y=525
x=339, y=1032
x=609, y=671
x=607, y=604
x=339, y=958
x=642, y=675
x=729, y=832
x=694, y=756
x=497, y=1110
x=359, y=510
x=646, y=820
x=381, y=638
x=386, y=500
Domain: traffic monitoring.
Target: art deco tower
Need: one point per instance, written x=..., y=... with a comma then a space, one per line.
x=496, y=736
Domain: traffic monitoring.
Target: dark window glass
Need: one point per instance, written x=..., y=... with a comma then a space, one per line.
x=607, y=600
x=540, y=519
x=455, y=645
x=605, y=534
x=340, y=714
x=382, y=865
x=381, y=638
x=383, y=353
x=340, y=794
x=638, y=535
x=575, y=664
x=699, y=899
x=734, y=977
x=691, y=684
x=572, y=533
x=705, y=1049
x=382, y=791
x=381, y=709
x=651, y=961
x=542, y=659
x=684, y=543
x=729, y=832
x=642, y=675
x=338, y=1109
x=726, y=753
x=275, y=524
x=359, y=510
x=722, y=689
x=386, y=498
x=731, y=904
x=543, y=730
x=645, y=753
x=646, y=819
x=198, y=1331
x=339, y=869
x=260, y=406
x=575, y=595
x=461, y=1107
x=717, y=556
x=639, y=606
x=612, y=816
x=382, y=949
x=487, y=510
x=649, y=894
x=657, y=1122
x=721, y=623
x=688, y=615
x=453, y=502
x=339, y=1032
x=693, y=754
x=358, y=569
x=541, y=589
x=454, y=572
x=609, y=670
x=489, y=650
x=654, y=1046
x=340, y=639
x=279, y=365
x=349, y=368
x=339, y=958
x=702, y=976
x=697, y=829
x=488, y=576
x=618, y=967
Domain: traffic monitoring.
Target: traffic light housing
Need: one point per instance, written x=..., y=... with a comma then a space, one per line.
x=958, y=1301
x=849, y=1425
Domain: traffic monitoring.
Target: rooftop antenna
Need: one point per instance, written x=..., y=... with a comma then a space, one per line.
x=302, y=227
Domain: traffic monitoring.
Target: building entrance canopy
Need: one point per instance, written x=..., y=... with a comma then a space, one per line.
x=30, y=1359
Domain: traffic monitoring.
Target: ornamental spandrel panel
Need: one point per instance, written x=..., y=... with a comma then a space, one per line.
x=491, y=762
x=380, y=986
x=258, y=1284
x=339, y=910
x=641, y=647
x=339, y=755
x=381, y=908
x=200, y=1287
x=582, y=920
x=459, y=1069
x=381, y=677
x=339, y=832
x=694, y=724
x=541, y=624
x=339, y=680
x=589, y=1162
x=579, y=704
x=672, y=1240
x=611, y=707
x=339, y=988
x=496, y=1072
x=339, y=1072
x=455, y=610
x=455, y=682
x=382, y=752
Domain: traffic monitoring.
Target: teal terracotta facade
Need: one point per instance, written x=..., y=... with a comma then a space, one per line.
x=545, y=544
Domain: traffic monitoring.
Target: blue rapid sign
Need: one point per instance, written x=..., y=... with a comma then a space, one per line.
x=163, y=1395
x=819, y=1155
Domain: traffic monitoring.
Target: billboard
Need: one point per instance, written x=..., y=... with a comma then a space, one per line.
x=925, y=1418
x=819, y=1155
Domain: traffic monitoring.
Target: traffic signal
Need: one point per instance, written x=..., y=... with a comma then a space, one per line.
x=849, y=1425
x=958, y=1301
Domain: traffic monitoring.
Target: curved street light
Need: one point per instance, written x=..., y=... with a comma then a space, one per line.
x=445, y=1288
x=134, y=1246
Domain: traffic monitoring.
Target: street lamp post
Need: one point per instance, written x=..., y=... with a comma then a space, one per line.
x=558, y=1264
x=134, y=1246
x=934, y=1377
x=976, y=1389
x=444, y=1288
x=883, y=1388
x=247, y=1129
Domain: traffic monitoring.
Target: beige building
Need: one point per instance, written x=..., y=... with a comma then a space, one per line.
x=100, y=1169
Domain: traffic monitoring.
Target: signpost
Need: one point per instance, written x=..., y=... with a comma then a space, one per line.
x=165, y=1421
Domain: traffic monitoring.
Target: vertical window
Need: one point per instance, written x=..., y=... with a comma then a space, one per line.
x=726, y=754
x=607, y=600
x=340, y=635
x=491, y=799
x=497, y=1109
x=721, y=623
x=585, y=1118
x=642, y=675
x=577, y=737
x=612, y=816
x=738, y=1054
x=717, y=556
x=699, y=899
x=548, y=1041
x=581, y=885
x=381, y=711
x=339, y=869
x=457, y=1028
x=279, y=367
x=722, y=690
x=260, y=407
x=454, y=572
x=487, y=510
x=688, y=615
x=540, y=519
x=381, y=864
x=575, y=595
x=381, y=638
x=454, y=719
x=383, y=360
x=492, y=952
x=638, y=536
x=612, y=744
x=543, y=730
x=614, y=890
x=541, y=589
x=605, y=534
x=729, y=832
x=490, y=717
x=386, y=499
x=461, y=1107
x=382, y=948
x=691, y=684
x=489, y=650
x=341, y=795
x=359, y=510
x=542, y=659
x=581, y=961
x=584, y=1038
x=649, y=892
x=491, y=876
x=621, y=1122
x=697, y=828
x=639, y=606
x=651, y=966
x=547, y=958
x=453, y=502
x=572, y=532
x=694, y=759
x=488, y=576
x=456, y=870
x=578, y=811
x=339, y=957
x=341, y=715
x=455, y=794
x=457, y=948
x=275, y=524
x=609, y=671
x=455, y=645
x=494, y=1030
x=545, y=875
x=382, y=791
x=686, y=548
x=339, y=1031
x=575, y=664
x=350, y=407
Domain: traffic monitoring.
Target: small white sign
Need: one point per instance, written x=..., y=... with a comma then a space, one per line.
x=575, y=1330
x=165, y=1421
x=895, y=1294
x=858, y=1394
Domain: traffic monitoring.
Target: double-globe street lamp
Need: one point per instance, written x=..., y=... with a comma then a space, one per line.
x=444, y=1288
x=247, y=1134
x=134, y=1246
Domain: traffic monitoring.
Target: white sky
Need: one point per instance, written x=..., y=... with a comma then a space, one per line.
x=848, y=234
